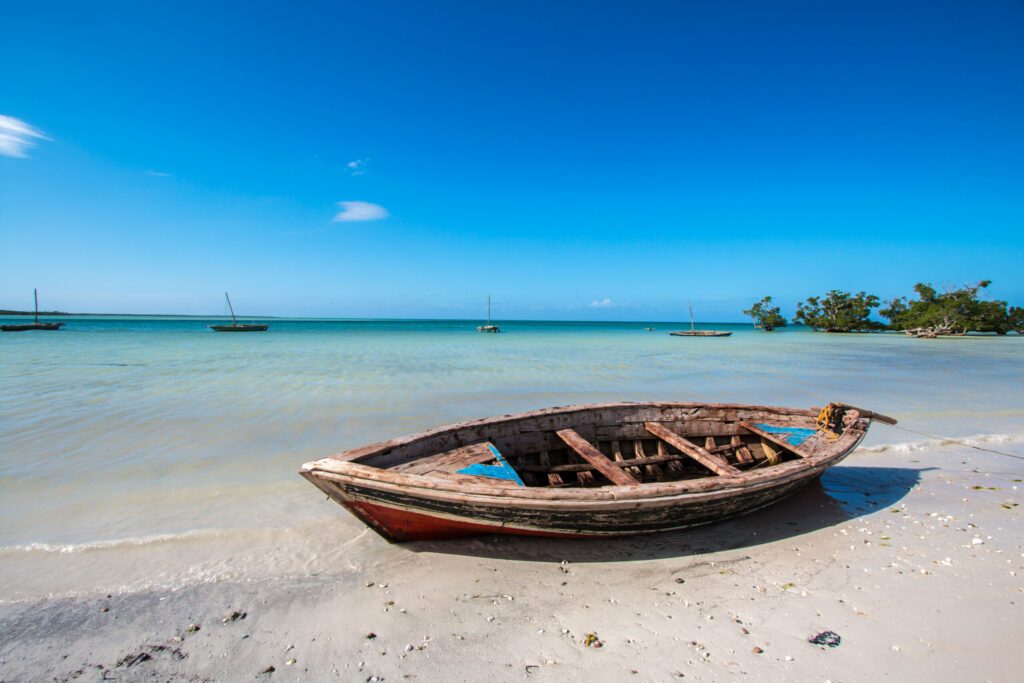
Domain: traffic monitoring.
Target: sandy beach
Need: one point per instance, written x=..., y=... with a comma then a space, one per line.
x=750, y=278
x=913, y=558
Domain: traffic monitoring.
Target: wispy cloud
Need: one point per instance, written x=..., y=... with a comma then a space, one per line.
x=159, y=174
x=602, y=303
x=17, y=137
x=355, y=212
x=357, y=166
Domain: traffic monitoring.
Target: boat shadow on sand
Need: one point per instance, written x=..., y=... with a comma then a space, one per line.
x=841, y=494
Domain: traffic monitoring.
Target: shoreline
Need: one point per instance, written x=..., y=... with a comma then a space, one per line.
x=916, y=565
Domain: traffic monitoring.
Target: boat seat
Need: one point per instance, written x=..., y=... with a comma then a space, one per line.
x=449, y=461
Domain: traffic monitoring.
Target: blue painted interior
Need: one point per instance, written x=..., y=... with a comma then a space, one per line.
x=500, y=471
x=794, y=435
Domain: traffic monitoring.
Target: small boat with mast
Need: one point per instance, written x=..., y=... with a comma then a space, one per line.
x=36, y=325
x=488, y=327
x=236, y=326
x=694, y=332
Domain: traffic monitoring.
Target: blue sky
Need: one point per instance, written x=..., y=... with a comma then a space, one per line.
x=575, y=160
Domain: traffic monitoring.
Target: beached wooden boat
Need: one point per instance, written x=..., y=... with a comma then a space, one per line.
x=36, y=325
x=591, y=470
x=694, y=332
x=488, y=327
x=236, y=326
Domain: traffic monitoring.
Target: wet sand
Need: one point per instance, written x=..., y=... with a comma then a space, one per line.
x=914, y=559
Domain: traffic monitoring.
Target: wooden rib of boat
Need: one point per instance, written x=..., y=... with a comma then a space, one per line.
x=592, y=470
x=36, y=325
x=236, y=326
x=488, y=327
x=694, y=332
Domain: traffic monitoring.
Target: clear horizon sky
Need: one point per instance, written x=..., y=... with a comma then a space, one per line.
x=592, y=161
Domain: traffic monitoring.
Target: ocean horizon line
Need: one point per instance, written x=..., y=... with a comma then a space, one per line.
x=190, y=316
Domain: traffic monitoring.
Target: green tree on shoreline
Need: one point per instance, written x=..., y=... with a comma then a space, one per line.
x=766, y=316
x=1016, y=318
x=953, y=312
x=839, y=311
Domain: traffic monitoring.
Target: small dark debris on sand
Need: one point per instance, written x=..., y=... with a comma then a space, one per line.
x=132, y=660
x=830, y=638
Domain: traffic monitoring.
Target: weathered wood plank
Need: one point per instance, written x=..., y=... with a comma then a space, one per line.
x=599, y=460
x=469, y=479
x=775, y=439
x=712, y=462
x=545, y=460
x=742, y=452
x=652, y=471
x=450, y=460
x=587, y=467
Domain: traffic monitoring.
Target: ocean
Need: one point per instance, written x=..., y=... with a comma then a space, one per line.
x=141, y=453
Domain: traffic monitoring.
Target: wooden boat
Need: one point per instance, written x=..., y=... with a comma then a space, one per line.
x=591, y=470
x=236, y=326
x=488, y=327
x=700, y=333
x=36, y=325
x=694, y=332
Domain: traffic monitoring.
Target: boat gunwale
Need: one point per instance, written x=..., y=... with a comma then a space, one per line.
x=343, y=468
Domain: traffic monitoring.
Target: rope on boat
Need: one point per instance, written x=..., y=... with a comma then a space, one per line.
x=827, y=420
x=948, y=440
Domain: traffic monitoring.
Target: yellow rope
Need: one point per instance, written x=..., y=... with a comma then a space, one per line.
x=826, y=420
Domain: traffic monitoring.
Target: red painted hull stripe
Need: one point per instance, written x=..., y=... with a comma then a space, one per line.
x=406, y=525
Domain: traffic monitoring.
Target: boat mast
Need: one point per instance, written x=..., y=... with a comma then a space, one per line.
x=692, y=329
x=488, y=310
x=230, y=308
x=35, y=295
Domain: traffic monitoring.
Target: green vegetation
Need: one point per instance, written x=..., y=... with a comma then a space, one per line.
x=839, y=312
x=932, y=314
x=766, y=316
x=1016, y=317
x=953, y=312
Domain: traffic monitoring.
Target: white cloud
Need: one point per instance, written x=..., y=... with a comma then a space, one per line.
x=16, y=137
x=159, y=174
x=602, y=303
x=354, y=212
x=357, y=166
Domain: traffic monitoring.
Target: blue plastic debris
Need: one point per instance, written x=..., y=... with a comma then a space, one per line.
x=500, y=471
x=793, y=435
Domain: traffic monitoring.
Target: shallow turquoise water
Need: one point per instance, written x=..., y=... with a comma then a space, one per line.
x=126, y=433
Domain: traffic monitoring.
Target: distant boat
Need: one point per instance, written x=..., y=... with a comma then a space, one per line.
x=488, y=327
x=648, y=329
x=236, y=326
x=694, y=332
x=25, y=327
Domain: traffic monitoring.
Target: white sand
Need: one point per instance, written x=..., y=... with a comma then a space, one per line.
x=919, y=573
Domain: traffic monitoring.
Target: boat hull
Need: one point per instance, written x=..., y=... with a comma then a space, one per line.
x=403, y=517
x=239, y=328
x=405, y=490
x=701, y=334
x=31, y=326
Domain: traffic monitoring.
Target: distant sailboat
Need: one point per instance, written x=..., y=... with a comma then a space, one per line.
x=24, y=327
x=488, y=327
x=236, y=326
x=694, y=332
